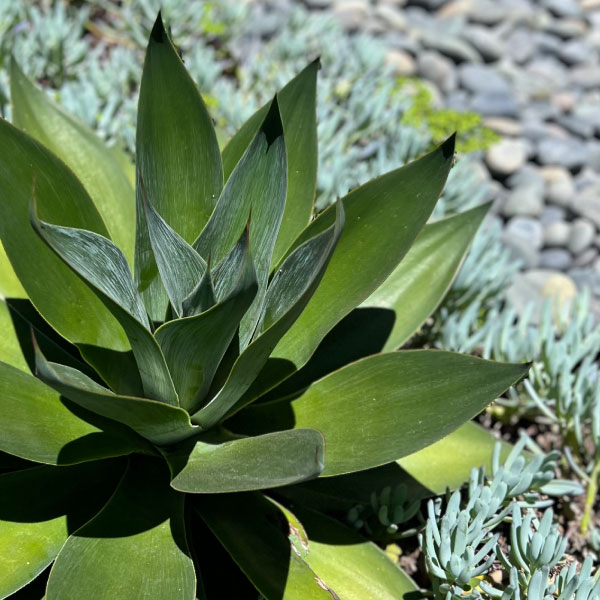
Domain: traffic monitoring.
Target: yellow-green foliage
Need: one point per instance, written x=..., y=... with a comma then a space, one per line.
x=472, y=135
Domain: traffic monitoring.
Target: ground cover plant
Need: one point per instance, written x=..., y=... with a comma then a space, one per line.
x=193, y=414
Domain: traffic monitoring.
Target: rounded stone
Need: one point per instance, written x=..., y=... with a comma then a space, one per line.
x=351, y=13
x=586, y=258
x=482, y=79
x=506, y=157
x=581, y=235
x=552, y=214
x=437, y=68
x=557, y=259
x=525, y=200
x=527, y=229
x=557, y=234
x=402, y=63
x=560, y=187
x=566, y=152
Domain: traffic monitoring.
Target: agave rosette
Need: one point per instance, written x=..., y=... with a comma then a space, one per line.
x=181, y=360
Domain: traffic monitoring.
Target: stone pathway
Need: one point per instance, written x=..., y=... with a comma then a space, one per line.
x=532, y=68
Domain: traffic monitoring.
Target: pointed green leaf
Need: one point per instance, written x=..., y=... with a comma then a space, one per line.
x=255, y=533
x=300, y=276
x=155, y=421
x=39, y=507
x=383, y=217
x=252, y=463
x=10, y=349
x=297, y=104
x=51, y=286
x=10, y=286
x=102, y=266
x=194, y=346
x=355, y=568
x=202, y=297
x=144, y=519
x=178, y=157
x=387, y=406
x=181, y=268
x=79, y=147
x=37, y=425
x=420, y=282
x=256, y=188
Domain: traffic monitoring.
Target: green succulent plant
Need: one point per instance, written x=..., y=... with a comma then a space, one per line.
x=179, y=361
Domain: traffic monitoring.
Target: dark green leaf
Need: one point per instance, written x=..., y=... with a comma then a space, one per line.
x=178, y=158
x=255, y=533
x=297, y=104
x=202, y=297
x=37, y=425
x=422, y=279
x=256, y=187
x=305, y=268
x=355, y=568
x=179, y=265
x=134, y=548
x=155, y=421
x=194, y=346
x=75, y=143
x=39, y=507
x=252, y=463
x=102, y=266
x=64, y=301
x=387, y=406
x=383, y=217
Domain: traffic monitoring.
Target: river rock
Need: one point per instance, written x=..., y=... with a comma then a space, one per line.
x=495, y=104
x=552, y=214
x=560, y=187
x=489, y=46
x=586, y=258
x=437, y=68
x=482, y=79
x=535, y=286
x=557, y=259
x=557, y=233
x=566, y=152
x=352, y=14
x=506, y=157
x=402, y=63
x=581, y=236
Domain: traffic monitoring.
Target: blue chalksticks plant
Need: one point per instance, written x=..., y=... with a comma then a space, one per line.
x=179, y=360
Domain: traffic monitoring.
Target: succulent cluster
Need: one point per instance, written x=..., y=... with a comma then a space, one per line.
x=461, y=541
x=190, y=354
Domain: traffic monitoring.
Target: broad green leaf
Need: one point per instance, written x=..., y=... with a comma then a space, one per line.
x=134, y=548
x=420, y=282
x=10, y=286
x=202, y=297
x=387, y=406
x=448, y=463
x=252, y=463
x=355, y=568
x=64, y=301
x=255, y=533
x=79, y=147
x=194, y=346
x=256, y=190
x=37, y=425
x=10, y=349
x=155, y=421
x=383, y=217
x=39, y=507
x=177, y=155
x=297, y=105
x=181, y=268
x=103, y=267
x=303, y=269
